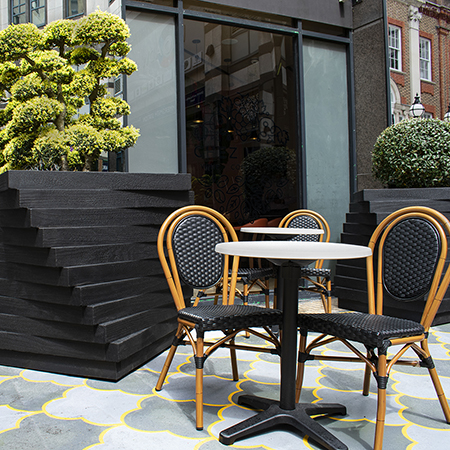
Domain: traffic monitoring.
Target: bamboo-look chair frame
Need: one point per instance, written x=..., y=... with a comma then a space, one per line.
x=318, y=284
x=379, y=365
x=167, y=258
x=260, y=278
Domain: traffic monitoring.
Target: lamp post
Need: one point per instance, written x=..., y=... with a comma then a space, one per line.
x=447, y=115
x=417, y=108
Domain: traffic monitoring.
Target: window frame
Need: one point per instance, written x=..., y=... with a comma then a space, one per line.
x=37, y=8
x=424, y=59
x=73, y=16
x=398, y=49
x=28, y=11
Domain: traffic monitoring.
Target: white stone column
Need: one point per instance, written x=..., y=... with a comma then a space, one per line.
x=414, y=60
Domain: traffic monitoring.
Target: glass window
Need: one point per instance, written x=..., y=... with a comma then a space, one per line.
x=224, y=10
x=75, y=7
x=37, y=8
x=23, y=11
x=19, y=11
x=425, y=58
x=241, y=123
x=152, y=93
x=395, y=48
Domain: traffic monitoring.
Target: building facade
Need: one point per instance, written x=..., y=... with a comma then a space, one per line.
x=419, y=46
x=269, y=110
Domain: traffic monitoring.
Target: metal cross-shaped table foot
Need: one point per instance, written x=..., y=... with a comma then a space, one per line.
x=298, y=418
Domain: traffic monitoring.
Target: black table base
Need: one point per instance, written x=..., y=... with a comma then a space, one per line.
x=286, y=411
x=299, y=418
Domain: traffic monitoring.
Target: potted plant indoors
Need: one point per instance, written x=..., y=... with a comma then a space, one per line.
x=81, y=288
x=412, y=159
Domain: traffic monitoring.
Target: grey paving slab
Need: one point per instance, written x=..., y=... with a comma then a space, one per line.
x=45, y=411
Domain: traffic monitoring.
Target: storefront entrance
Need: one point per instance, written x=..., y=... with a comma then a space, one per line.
x=240, y=120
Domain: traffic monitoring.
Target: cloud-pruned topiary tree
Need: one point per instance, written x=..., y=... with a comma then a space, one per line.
x=46, y=76
x=413, y=153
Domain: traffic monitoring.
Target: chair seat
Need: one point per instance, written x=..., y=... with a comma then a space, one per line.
x=369, y=329
x=313, y=272
x=219, y=317
x=256, y=273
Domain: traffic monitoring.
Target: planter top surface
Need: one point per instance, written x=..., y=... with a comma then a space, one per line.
x=30, y=179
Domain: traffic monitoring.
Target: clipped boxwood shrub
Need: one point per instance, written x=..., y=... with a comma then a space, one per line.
x=413, y=153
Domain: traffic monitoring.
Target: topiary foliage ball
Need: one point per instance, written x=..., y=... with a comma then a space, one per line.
x=413, y=153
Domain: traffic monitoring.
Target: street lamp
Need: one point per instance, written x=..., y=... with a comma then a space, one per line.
x=447, y=115
x=417, y=108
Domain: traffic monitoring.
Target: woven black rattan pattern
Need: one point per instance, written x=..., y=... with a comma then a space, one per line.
x=410, y=255
x=304, y=222
x=221, y=317
x=194, y=241
x=312, y=272
x=256, y=273
x=369, y=329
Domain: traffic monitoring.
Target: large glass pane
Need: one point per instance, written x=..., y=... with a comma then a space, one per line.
x=19, y=12
x=75, y=7
x=327, y=132
x=38, y=12
x=225, y=10
x=151, y=93
x=241, y=126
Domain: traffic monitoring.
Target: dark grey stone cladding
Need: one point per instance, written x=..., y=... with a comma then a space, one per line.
x=368, y=208
x=82, y=291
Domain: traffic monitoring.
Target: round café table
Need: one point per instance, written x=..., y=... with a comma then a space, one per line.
x=290, y=256
x=281, y=233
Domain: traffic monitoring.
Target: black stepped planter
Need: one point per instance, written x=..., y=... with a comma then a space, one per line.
x=82, y=291
x=368, y=208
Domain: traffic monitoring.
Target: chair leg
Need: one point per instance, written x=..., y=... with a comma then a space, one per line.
x=245, y=301
x=381, y=405
x=199, y=384
x=234, y=367
x=275, y=293
x=245, y=294
x=300, y=368
x=169, y=359
x=366, y=385
x=437, y=384
x=266, y=292
x=328, y=284
x=440, y=393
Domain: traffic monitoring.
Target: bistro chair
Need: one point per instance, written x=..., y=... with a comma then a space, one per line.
x=409, y=251
x=251, y=278
x=318, y=279
x=186, y=249
x=255, y=277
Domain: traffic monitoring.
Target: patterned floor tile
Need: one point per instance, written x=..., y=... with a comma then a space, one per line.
x=42, y=432
x=44, y=411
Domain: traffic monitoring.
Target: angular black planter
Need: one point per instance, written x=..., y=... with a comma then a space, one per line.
x=81, y=288
x=368, y=208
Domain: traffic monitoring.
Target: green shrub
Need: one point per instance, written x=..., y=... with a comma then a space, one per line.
x=41, y=126
x=413, y=153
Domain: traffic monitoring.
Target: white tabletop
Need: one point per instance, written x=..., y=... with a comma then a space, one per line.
x=281, y=230
x=293, y=250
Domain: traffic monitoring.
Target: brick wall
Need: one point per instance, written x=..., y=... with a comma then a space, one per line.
x=435, y=26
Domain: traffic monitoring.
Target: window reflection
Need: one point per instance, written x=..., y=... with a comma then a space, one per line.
x=240, y=112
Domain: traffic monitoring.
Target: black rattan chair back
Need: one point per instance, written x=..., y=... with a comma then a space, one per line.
x=194, y=240
x=410, y=256
x=304, y=221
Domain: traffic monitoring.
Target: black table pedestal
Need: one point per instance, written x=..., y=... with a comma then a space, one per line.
x=273, y=415
x=286, y=411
